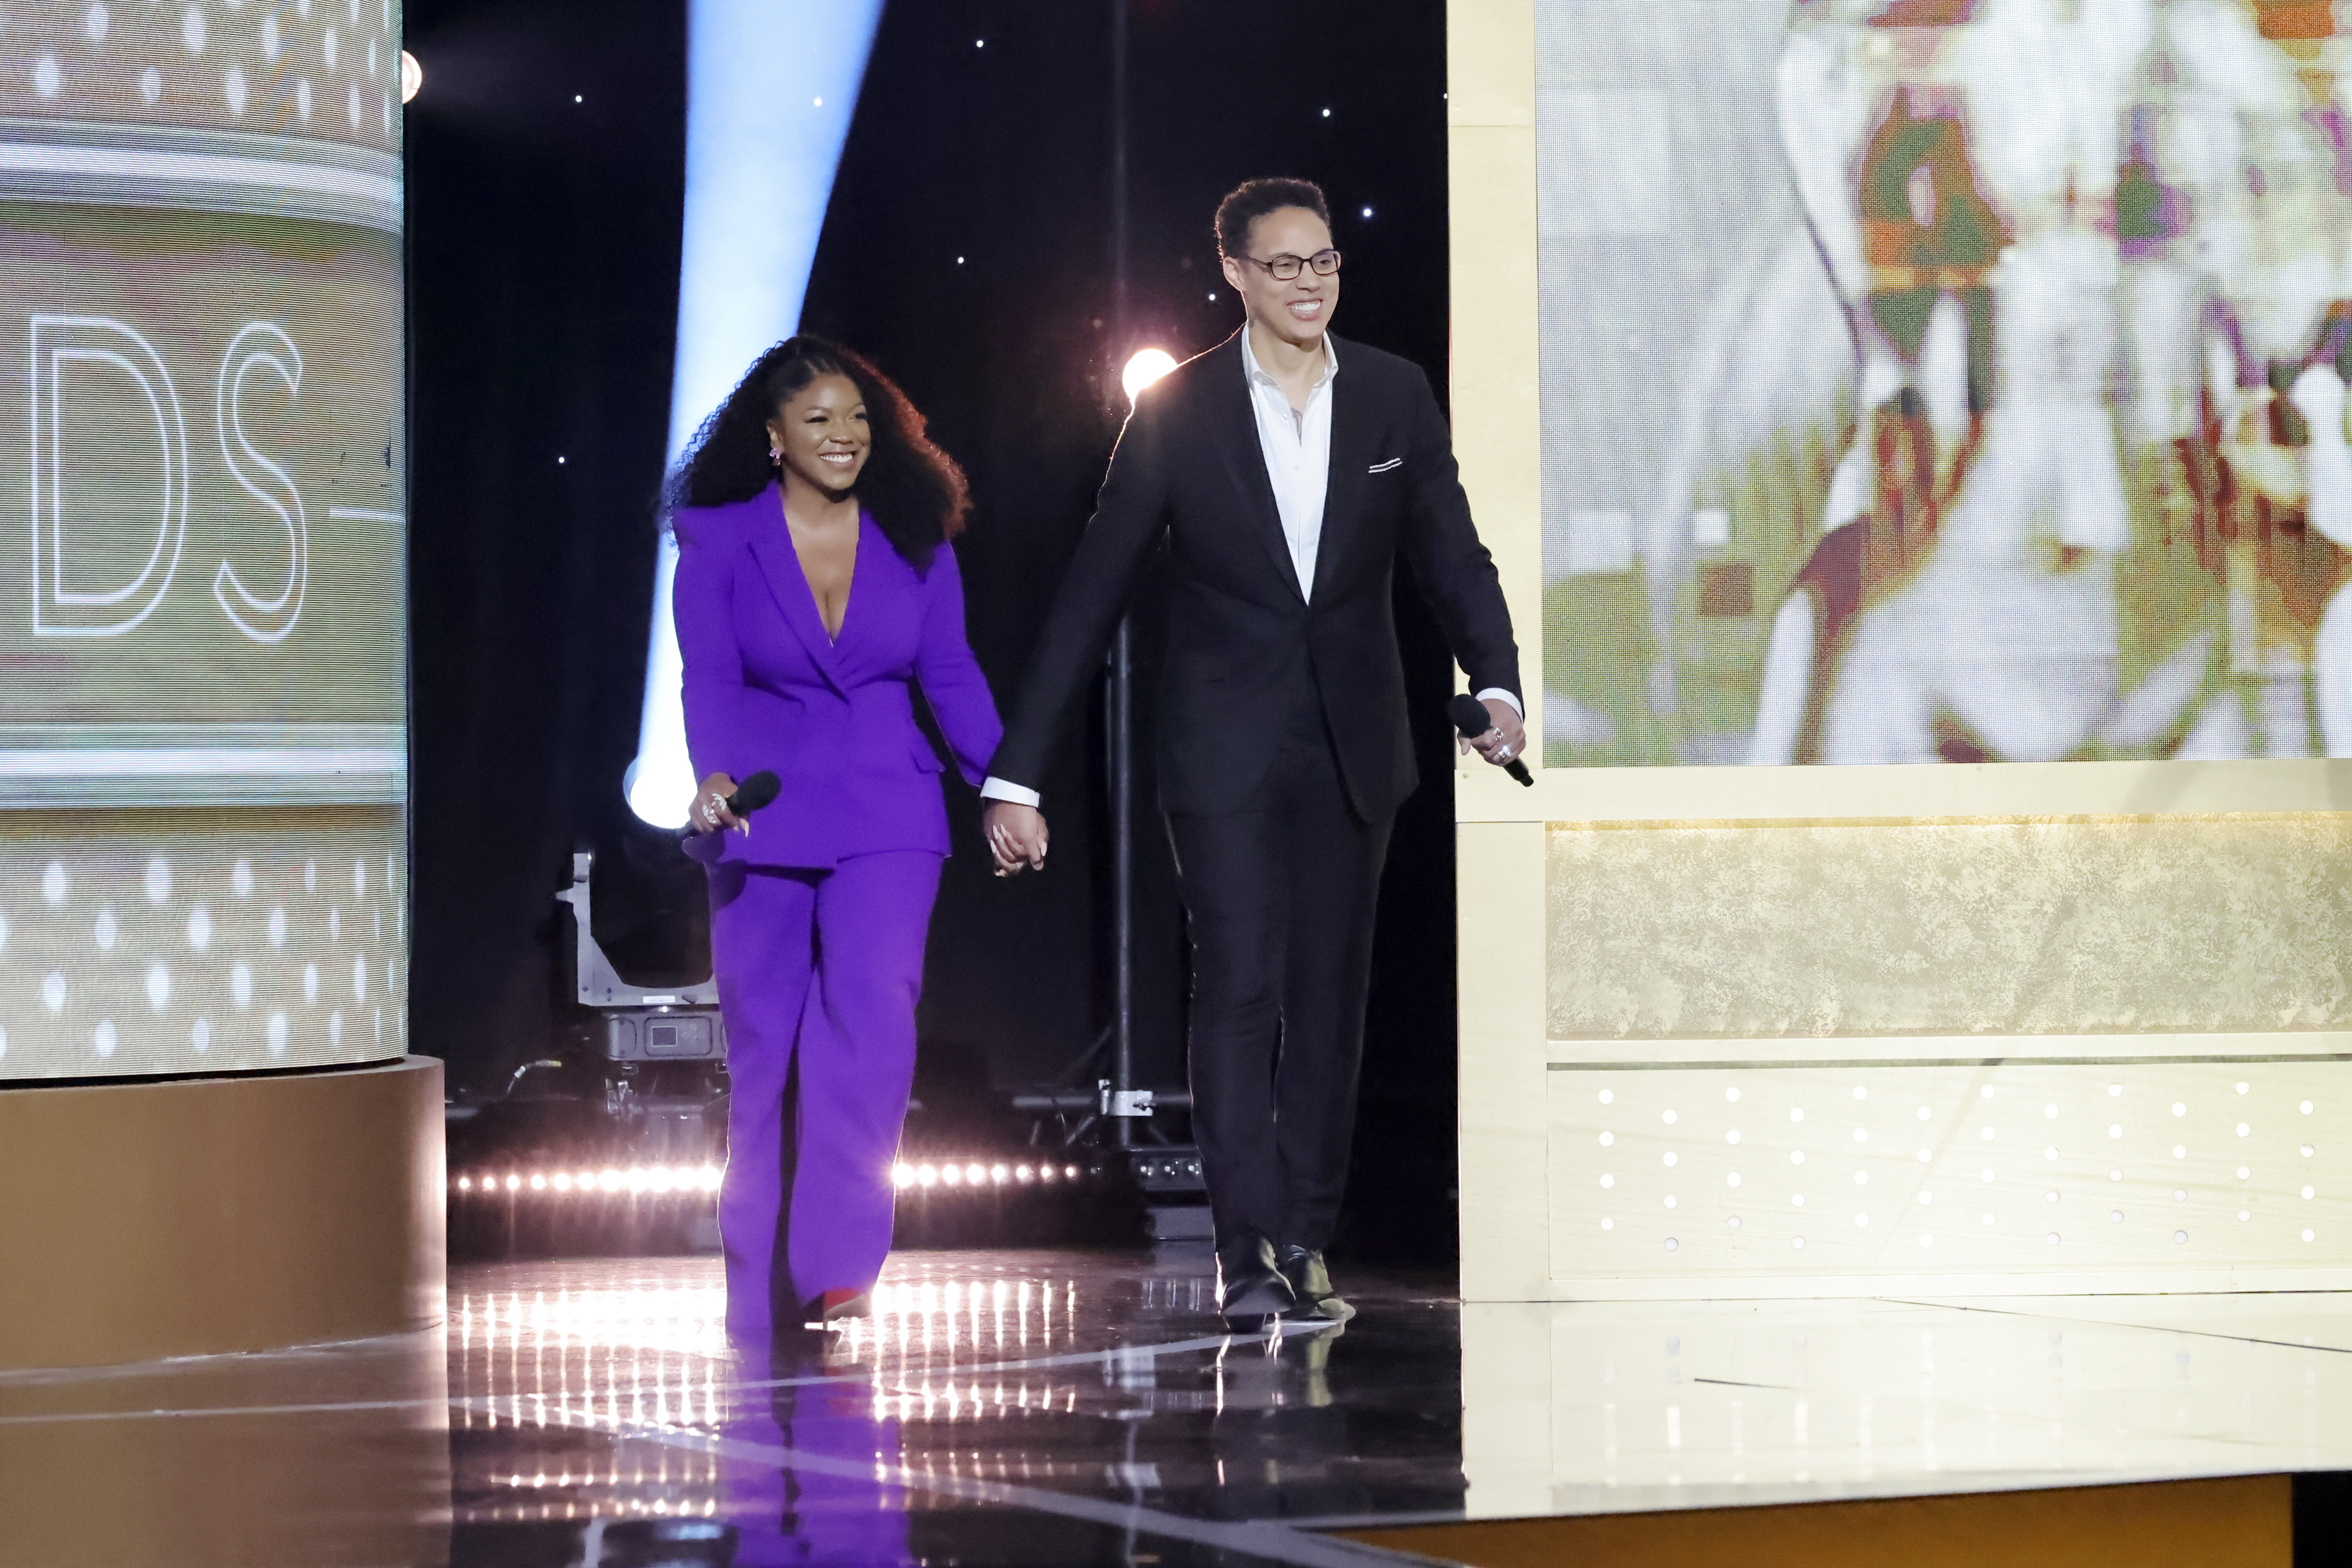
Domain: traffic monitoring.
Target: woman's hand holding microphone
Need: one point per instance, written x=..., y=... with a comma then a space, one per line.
x=710, y=811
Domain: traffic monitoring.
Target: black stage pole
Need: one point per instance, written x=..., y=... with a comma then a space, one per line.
x=1118, y=693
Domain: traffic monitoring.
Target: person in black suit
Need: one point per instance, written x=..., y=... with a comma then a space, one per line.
x=1284, y=469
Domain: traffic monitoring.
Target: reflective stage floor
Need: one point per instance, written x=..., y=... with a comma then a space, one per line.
x=1049, y=1407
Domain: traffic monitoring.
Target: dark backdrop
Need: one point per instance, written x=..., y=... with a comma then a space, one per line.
x=967, y=249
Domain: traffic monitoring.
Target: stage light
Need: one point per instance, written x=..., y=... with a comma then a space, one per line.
x=1000, y=1174
x=659, y=1179
x=538, y=1182
x=975, y=1173
x=759, y=175
x=563, y=1181
x=952, y=1175
x=610, y=1181
x=465, y=1184
x=585, y=1181
x=412, y=77
x=929, y=1176
x=1023, y=1174
x=1044, y=1173
x=1071, y=1172
x=1144, y=367
x=514, y=1184
x=902, y=1174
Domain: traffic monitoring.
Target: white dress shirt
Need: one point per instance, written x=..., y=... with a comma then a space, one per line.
x=1295, y=445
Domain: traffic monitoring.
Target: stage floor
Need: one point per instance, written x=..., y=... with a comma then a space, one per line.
x=1048, y=1407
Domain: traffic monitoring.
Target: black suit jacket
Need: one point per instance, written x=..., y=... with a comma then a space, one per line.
x=1244, y=644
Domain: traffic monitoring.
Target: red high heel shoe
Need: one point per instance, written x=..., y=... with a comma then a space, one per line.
x=837, y=1306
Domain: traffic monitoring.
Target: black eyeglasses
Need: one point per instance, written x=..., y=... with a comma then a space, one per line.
x=1285, y=266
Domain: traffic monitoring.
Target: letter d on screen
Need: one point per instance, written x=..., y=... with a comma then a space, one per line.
x=101, y=537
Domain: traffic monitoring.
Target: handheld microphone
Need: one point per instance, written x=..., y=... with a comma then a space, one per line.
x=753, y=793
x=1470, y=717
x=750, y=796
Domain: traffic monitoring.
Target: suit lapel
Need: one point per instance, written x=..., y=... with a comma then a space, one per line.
x=1232, y=402
x=770, y=539
x=1353, y=430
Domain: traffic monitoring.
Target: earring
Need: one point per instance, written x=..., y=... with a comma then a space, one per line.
x=775, y=456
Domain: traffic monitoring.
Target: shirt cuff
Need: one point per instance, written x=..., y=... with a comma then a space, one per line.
x=997, y=789
x=1491, y=692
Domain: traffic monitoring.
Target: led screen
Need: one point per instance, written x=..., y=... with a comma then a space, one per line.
x=203, y=599
x=1943, y=380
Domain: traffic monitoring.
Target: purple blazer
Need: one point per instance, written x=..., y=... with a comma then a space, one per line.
x=765, y=688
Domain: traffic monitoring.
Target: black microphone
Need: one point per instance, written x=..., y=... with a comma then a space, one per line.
x=750, y=796
x=1470, y=717
x=753, y=793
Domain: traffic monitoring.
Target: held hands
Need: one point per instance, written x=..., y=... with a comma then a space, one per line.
x=1016, y=836
x=710, y=813
x=1506, y=739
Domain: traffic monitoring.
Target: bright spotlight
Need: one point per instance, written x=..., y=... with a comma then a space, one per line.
x=902, y=1174
x=563, y=1181
x=1147, y=367
x=514, y=1184
x=1045, y=1173
x=465, y=1184
x=927, y=1175
x=412, y=76
x=1023, y=1173
x=975, y=1173
x=951, y=1175
x=1000, y=1174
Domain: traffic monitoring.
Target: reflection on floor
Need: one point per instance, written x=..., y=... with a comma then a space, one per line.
x=1600, y=1407
x=1052, y=1407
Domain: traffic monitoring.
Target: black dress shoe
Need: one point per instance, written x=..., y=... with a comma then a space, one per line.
x=1308, y=1280
x=1250, y=1285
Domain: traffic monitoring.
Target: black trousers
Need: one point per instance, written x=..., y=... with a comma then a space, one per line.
x=1280, y=897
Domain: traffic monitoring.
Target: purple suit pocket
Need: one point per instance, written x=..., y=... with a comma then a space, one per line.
x=924, y=758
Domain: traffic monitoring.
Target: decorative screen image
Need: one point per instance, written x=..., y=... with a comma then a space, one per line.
x=202, y=597
x=1944, y=380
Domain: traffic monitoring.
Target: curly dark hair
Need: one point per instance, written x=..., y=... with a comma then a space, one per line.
x=917, y=494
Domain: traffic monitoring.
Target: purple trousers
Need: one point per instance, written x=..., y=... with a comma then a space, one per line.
x=818, y=973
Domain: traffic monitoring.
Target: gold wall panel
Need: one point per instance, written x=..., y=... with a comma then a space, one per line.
x=2235, y=923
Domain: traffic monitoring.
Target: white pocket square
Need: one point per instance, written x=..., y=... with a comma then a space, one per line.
x=1384, y=467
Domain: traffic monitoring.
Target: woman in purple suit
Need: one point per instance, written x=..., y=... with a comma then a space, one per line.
x=816, y=588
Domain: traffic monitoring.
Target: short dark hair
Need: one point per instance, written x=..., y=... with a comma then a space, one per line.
x=917, y=494
x=1253, y=199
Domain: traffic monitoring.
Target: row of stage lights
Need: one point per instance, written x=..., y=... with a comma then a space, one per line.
x=662, y=1180
x=975, y=1174
x=637, y=1180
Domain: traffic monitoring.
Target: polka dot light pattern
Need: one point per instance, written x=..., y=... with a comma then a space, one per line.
x=170, y=943
x=225, y=65
x=2063, y=1169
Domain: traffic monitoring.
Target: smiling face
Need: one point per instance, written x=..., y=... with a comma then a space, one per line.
x=822, y=432
x=1298, y=310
